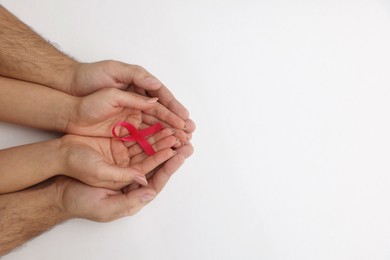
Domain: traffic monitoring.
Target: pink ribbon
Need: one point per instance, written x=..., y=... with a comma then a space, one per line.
x=138, y=136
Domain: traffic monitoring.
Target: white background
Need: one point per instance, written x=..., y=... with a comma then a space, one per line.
x=291, y=101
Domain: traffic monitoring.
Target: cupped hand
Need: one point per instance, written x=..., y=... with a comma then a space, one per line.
x=90, y=77
x=97, y=113
x=79, y=200
x=108, y=163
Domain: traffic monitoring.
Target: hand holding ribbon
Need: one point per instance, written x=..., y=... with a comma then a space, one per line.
x=139, y=136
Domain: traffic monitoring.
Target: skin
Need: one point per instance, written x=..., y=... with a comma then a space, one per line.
x=99, y=162
x=93, y=115
x=56, y=200
x=26, y=56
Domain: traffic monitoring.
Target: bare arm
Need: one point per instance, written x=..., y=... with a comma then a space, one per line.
x=28, y=213
x=37, y=106
x=95, y=161
x=30, y=164
x=40, y=208
x=26, y=55
x=34, y=105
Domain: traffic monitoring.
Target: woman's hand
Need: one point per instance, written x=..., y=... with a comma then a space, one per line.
x=108, y=163
x=97, y=113
x=88, y=78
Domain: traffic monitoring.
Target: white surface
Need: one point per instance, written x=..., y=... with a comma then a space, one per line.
x=291, y=100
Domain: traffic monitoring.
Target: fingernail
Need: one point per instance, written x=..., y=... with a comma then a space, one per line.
x=174, y=152
x=178, y=144
x=148, y=197
x=173, y=130
x=141, y=179
x=152, y=81
x=152, y=100
x=185, y=127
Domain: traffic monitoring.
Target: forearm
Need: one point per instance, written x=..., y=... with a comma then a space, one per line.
x=27, y=56
x=26, y=214
x=26, y=165
x=34, y=105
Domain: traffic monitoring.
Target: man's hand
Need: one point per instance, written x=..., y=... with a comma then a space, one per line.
x=79, y=200
x=90, y=77
x=28, y=57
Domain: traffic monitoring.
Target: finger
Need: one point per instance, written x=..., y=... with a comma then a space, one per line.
x=190, y=126
x=119, y=153
x=185, y=151
x=151, y=162
x=151, y=120
x=128, y=204
x=162, y=145
x=137, y=199
x=134, y=74
x=162, y=175
x=181, y=135
x=164, y=114
x=136, y=149
x=131, y=186
x=168, y=100
x=168, y=168
x=119, y=98
x=137, y=90
x=112, y=174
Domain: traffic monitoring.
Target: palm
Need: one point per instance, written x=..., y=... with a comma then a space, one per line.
x=105, y=162
x=99, y=204
x=99, y=112
x=100, y=122
x=85, y=201
x=87, y=156
x=94, y=76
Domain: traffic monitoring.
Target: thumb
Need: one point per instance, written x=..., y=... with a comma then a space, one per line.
x=128, y=204
x=113, y=173
x=134, y=74
x=138, y=198
x=132, y=100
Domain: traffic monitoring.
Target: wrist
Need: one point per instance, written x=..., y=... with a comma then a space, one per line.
x=58, y=190
x=72, y=80
x=69, y=114
x=67, y=80
x=68, y=74
x=68, y=155
x=56, y=158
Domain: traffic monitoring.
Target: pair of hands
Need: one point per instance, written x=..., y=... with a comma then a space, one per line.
x=111, y=92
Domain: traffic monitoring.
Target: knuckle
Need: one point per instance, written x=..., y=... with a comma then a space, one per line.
x=111, y=91
x=137, y=68
x=111, y=63
x=118, y=177
x=102, y=217
x=99, y=174
x=132, y=210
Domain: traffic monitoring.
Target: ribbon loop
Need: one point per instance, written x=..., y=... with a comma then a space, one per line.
x=138, y=136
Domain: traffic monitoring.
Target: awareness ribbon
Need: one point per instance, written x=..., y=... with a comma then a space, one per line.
x=138, y=136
